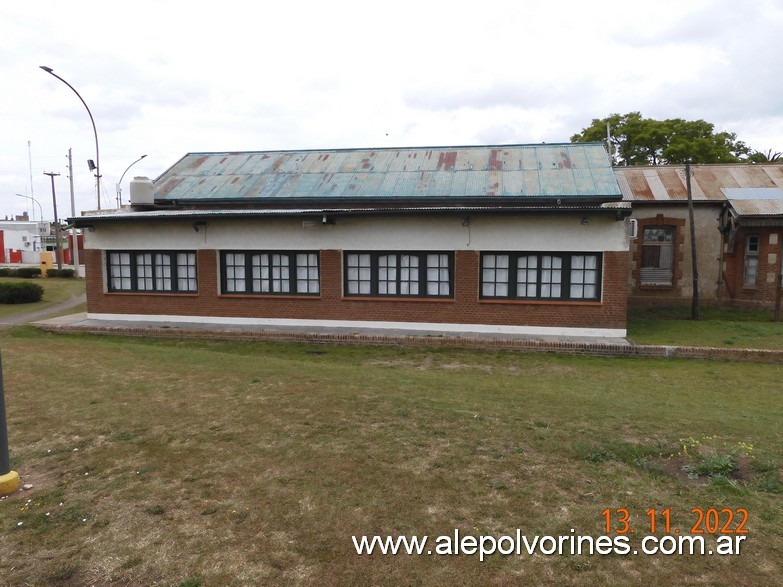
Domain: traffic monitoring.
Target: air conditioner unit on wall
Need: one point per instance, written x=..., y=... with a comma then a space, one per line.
x=633, y=227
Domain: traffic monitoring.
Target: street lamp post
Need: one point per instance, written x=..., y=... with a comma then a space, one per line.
x=119, y=183
x=94, y=130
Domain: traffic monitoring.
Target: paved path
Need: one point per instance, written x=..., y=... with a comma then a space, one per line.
x=36, y=315
x=347, y=334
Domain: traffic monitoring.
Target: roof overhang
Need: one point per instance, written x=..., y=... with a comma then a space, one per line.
x=616, y=210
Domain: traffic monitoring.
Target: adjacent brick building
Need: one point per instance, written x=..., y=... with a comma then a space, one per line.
x=751, y=226
x=738, y=218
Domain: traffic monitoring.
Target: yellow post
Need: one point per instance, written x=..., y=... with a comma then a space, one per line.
x=9, y=480
x=9, y=483
x=46, y=262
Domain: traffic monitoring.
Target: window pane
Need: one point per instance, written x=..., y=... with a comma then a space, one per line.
x=409, y=274
x=751, y=271
x=527, y=276
x=438, y=275
x=186, y=272
x=387, y=274
x=162, y=272
x=657, y=256
x=235, y=272
x=306, y=273
x=359, y=273
x=120, y=271
x=144, y=272
x=551, y=276
x=660, y=234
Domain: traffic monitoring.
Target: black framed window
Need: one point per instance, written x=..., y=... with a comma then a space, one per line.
x=541, y=276
x=233, y=269
x=152, y=271
x=270, y=272
x=120, y=278
x=399, y=274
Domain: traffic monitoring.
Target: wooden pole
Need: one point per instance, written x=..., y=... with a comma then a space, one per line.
x=695, y=270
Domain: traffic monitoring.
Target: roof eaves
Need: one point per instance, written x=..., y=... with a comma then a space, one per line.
x=164, y=215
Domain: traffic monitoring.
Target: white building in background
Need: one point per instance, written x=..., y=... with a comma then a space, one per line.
x=21, y=241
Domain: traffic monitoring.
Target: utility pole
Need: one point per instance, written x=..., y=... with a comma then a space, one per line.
x=779, y=287
x=57, y=248
x=74, y=236
x=695, y=271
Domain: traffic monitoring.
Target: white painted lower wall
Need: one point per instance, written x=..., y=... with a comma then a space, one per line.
x=422, y=327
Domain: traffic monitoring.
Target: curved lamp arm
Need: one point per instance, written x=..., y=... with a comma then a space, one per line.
x=94, y=130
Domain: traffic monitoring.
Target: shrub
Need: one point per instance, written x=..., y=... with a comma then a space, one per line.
x=67, y=273
x=27, y=272
x=20, y=293
x=5, y=271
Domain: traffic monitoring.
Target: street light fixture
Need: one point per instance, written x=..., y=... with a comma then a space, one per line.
x=94, y=130
x=119, y=183
x=36, y=201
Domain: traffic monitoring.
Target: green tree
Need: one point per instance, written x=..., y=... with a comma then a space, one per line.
x=646, y=141
x=769, y=156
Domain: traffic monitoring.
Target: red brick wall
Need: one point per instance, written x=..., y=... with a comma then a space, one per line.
x=763, y=294
x=465, y=308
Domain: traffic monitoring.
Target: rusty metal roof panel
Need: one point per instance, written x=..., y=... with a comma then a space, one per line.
x=507, y=171
x=757, y=207
x=666, y=183
x=755, y=202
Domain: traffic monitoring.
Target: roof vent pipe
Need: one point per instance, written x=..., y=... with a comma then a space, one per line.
x=142, y=192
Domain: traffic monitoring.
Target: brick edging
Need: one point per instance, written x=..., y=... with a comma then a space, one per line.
x=595, y=349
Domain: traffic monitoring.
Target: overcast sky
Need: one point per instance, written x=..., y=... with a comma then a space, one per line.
x=167, y=78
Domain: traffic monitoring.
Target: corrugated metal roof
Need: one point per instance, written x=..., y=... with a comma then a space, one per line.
x=425, y=173
x=753, y=193
x=757, y=207
x=666, y=183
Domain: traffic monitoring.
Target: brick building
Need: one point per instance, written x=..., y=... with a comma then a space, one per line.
x=528, y=239
x=751, y=225
x=730, y=202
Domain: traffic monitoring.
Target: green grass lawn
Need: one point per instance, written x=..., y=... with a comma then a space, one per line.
x=163, y=462
x=717, y=327
x=56, y=290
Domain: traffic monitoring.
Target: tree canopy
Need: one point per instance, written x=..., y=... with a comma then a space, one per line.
x=646, y=141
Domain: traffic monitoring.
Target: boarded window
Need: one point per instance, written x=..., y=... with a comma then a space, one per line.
x=657, y=266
